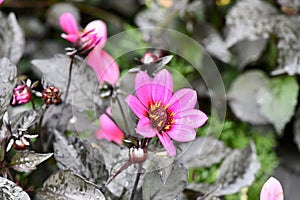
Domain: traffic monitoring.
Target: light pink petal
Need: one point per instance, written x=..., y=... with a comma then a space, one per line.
x=143, y=88
x=1, y=1
x=271, y=190
x=144, y=128
x=68, y=23
x=108, y=110
x=104, y=65
x=100, y=134
x=136, y=106
x=70, y=37
x=183, y=99
x=110, y=130
x=162, y=87
x=100, y=29
x=182, y=133
x=193, y=118
x=167, y=143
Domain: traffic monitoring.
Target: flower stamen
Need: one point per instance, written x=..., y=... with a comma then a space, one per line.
x=160, y=117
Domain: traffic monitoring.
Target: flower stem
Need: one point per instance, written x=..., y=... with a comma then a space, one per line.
x=32, y=103
x=136, y=182
x=69, y=77
x=123, y=114
x=122, y=168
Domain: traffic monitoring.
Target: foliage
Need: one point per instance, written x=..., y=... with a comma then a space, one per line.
x=265, y=143
x=50, y=149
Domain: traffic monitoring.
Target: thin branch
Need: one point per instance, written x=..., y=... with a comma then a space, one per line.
x=123, y=114
x=122, y=168
x=69, y=77
x=136, y=182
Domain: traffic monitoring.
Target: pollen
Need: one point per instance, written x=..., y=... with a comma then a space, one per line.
x=160, y=117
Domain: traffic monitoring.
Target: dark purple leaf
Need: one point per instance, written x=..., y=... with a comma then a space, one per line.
x=10, y=191
x=66, y=185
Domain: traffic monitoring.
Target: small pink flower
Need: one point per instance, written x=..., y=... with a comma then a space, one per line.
x=91, y=40
x=163, y=113
x=271, y=190
x=1, y=1
x=21, y=95
x=109, y=130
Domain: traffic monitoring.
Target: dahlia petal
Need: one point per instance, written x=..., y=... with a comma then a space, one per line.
x=100, y=134
x=68, y=23
x=136, y=106
x=110, y=130
x=193, y=118
x=271, y=190
x=104, y=65
x=143, y=88
x=162, y=87
x=144, y=128
x=70, y=37
x=100, y=30
x=182, y=133
x=183, y=99
x=167, y=143
x=108, y=110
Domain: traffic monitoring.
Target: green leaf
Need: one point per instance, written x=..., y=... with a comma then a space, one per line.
x=10, y=191
x=242, y=96
x=26, y=161
x=278, y=101
x=65, y=185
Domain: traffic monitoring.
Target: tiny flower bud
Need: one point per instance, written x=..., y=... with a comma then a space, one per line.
x=149, y=58
x=137, y=155
x=289, y=10
x=271, y=190
x=106, y=90
x=21, y=95
x=51, y=95
x=19, y=145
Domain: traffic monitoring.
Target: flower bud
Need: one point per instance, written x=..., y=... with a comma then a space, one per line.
x=21, y=95
x=51, y=95
x=149, y=58
x=137, y=155
x=271, y=190
x=19, y=145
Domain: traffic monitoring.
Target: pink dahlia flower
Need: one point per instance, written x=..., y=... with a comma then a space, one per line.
x=91, y=40
x=109, y=130
x=162, y=113
x=271, y=190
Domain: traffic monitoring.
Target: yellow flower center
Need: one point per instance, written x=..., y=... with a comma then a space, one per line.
x=160, y=117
